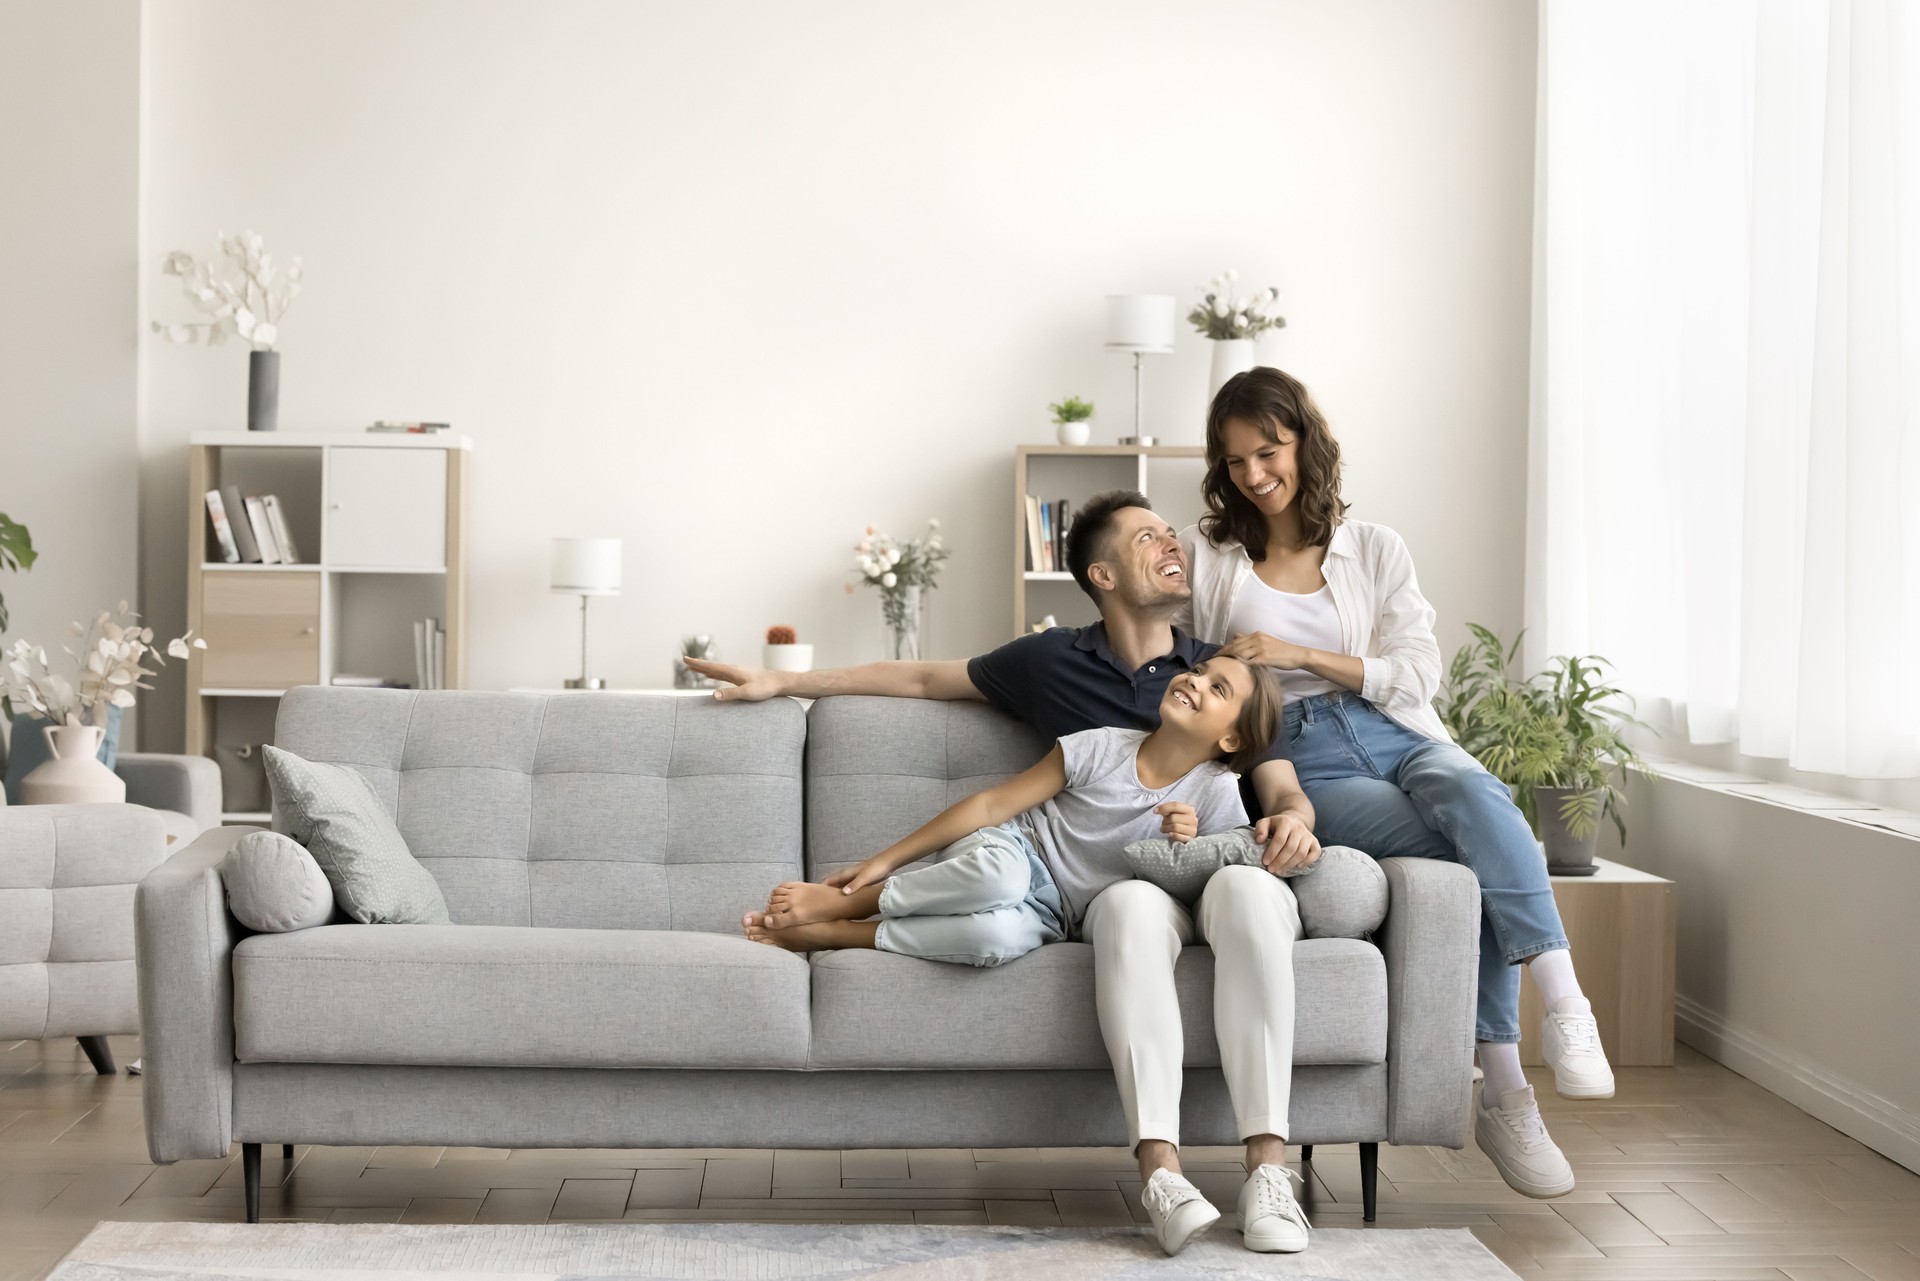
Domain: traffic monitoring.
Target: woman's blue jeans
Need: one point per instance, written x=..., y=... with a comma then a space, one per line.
x=1379, y=787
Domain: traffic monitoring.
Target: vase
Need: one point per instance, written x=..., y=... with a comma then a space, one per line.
x=263, y=391
x=1567, y=854
x=74, y=775
x=787, y=658
x=1078, y=433
x=1230, y=356
x=903, y=623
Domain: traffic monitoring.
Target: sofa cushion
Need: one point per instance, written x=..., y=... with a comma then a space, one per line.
x=881, y=1010
x=517, y=996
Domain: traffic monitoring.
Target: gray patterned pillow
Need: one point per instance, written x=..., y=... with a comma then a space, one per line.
x=332, y=811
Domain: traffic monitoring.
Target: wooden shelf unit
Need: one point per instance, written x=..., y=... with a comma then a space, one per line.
x=382, y=521
x=1169, y=475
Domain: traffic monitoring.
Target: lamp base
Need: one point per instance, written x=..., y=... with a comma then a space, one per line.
x=585, y=682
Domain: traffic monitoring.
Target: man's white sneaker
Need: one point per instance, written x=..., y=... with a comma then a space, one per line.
x=1570, y=1045
x=1515, y=1139
x=1271, y=1221
x=1178, y=1211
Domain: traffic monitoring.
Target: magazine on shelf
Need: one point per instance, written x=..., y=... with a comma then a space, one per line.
x=222, y=530
x=242, y=527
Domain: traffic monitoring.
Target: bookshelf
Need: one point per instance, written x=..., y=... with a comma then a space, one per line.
x=380, y=525
x=1169, y=475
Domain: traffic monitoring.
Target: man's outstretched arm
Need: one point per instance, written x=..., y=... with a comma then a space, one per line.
x=945, y=680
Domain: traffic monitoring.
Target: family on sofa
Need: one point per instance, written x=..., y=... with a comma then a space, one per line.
x=1275, y=597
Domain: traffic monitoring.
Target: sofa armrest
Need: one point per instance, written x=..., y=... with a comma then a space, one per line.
x=184, y=938
x=187, y=785
x=1431, y=941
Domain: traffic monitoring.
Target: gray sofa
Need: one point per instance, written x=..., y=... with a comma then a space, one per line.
x=596, y=852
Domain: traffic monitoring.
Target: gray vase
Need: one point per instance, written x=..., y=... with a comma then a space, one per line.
x=263, y=390
x=1567, y=854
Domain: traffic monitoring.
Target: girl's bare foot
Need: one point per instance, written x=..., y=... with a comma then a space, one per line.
x=818, y=937
x=799, y=903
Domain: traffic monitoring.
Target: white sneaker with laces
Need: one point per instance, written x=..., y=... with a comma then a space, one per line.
x=1271, y=1221
x=1178, y=1211
x=1570, y=1045
x=1515, y=1139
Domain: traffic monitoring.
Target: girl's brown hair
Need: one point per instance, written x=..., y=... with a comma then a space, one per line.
x=1259, y=721
x=1273, y=402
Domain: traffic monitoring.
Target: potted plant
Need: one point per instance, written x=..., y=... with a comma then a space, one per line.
x=1070, y=420
x=784, y=652
x=1557, y=738
x=1233, y=321
x=246, y=297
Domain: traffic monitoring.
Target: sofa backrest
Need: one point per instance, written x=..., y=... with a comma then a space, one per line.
x=589, y=810
x=879, y=767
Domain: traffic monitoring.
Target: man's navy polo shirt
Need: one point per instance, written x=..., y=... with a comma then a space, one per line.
x=1068, y=679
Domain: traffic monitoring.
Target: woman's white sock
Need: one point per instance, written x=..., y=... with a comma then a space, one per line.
x=1553, y=975
x=1500, y=1068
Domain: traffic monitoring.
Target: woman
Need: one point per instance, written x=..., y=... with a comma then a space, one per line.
x=1281, y=576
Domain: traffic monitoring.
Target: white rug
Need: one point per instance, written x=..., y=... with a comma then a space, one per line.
x=762, y=1251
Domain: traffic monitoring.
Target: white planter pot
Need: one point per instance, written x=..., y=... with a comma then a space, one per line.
x=787, y=658
x=1230, y=356
x=1074, y=433
x=75, y=775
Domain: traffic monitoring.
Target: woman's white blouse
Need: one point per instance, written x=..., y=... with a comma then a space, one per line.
x=1384, y=620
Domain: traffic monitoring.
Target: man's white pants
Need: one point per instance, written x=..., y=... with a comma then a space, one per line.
x=1250, y=919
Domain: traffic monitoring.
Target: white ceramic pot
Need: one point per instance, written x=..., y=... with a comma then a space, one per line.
x=787, y=658
x=1230, y=356
x=1075, y=433
x=74, y=775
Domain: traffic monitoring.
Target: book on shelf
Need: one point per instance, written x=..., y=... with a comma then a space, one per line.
x=263, y=531
x=242, y=527
x=277, y=517
x=222, y=529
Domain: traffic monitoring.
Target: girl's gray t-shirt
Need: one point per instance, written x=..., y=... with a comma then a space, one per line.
x=1082, y=833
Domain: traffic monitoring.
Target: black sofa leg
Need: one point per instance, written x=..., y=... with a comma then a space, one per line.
x=250, y=1167
x=286, y=1151
x=1306, y=1151
x=96, y=1048
x=1369, y=1180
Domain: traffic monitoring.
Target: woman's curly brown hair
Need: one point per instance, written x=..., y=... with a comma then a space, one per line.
x=1274, y=402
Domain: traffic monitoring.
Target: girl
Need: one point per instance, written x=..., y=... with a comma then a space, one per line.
x=1025, y=858
x=1332, y=605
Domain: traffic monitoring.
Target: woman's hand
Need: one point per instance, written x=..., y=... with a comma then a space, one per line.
x=1263, y=650
x=1178, y=822
x=862, y=874
x=1286, y=843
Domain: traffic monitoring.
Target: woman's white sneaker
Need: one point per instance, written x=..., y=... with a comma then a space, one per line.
x=1570, y=1045
x=1178, y=1211
x=1515, y=1139
x=1271, y=1221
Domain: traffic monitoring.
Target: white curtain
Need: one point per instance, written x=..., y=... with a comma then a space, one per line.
x=1724, y=468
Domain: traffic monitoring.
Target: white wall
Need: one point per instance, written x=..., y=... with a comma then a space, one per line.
x=731, y=282
x=69, y=247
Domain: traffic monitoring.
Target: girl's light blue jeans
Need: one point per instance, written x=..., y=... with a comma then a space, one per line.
x=1377, y=786
x=989, y=900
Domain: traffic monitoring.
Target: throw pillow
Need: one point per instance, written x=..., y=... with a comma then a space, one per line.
x=28, y=750
x=332, y=811
x=274, y=886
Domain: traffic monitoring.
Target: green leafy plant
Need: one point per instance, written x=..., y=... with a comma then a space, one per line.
x=1072, y=410
x=16, y=553
x=1564, y=727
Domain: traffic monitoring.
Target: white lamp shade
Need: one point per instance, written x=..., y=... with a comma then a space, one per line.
x=1140, y=322
x=586, y=566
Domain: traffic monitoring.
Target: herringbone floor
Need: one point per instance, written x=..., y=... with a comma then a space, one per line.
x=1690, y=1172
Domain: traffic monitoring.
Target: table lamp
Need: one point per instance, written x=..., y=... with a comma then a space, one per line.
x=591, y=567
x=1141, y=324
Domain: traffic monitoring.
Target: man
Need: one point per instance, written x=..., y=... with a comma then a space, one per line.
x=1113, y=673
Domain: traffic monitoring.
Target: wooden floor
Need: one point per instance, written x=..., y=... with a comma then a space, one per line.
x=1690, y=1172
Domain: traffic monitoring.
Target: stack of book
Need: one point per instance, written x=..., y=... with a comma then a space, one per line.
x=1046, y=535
x=250, y=530
x=429, y=654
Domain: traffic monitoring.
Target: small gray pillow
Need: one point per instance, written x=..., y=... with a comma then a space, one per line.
x=332, y=811
x=274, y=886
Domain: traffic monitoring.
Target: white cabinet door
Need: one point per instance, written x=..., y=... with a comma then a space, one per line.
x=387, y=507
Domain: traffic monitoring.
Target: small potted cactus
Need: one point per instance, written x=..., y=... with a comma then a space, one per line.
x=784, y=653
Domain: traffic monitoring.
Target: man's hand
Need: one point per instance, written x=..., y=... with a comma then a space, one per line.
x=1262, y=650
x=743, y=684
x=862, y=874
x=1288, y=843
x=1178, y=822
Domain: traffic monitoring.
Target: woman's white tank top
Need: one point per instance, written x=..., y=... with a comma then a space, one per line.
x=1307, y=620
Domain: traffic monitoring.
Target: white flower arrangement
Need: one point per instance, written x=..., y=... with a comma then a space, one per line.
x=110, y=664
x=246, y=296
x=1222, y=314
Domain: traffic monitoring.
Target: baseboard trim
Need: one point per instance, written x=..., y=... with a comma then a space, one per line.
x=1881, y=1124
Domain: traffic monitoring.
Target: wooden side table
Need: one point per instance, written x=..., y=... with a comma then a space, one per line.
x=1620, y=922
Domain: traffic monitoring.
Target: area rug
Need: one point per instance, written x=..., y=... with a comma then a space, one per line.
x=761, y=1251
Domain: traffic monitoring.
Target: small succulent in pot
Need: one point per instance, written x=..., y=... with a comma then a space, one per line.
x=785, y=653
